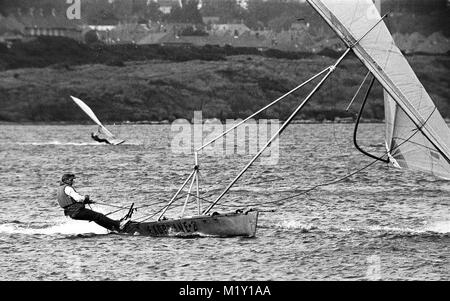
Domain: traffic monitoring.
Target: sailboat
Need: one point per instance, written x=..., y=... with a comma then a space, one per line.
x=417, y=136
x=101, y=128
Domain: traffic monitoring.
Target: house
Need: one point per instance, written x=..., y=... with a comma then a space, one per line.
x=37, y=22
x=300, y=26
x=122, y=33
x=152, y=38
x=211, y=20
x=234, y=29
x=10, y=30
x=165, y=6
x=102, y=27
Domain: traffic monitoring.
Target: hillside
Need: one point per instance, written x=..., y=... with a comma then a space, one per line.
x=222, y=86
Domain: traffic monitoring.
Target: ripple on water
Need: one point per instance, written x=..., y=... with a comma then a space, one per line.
x=383, y=219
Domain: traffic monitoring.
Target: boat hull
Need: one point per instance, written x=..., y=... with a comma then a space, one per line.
x=116, y=141
x=222, y=225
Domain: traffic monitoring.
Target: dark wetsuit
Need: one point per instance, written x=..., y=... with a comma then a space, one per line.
x=98, y=139
x=77, y=210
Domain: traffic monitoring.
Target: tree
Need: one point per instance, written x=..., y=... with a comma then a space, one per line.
x=282, y=22
x=144, y=10
x=266, y=12
x=153, y=12
x=98, y=12
x=91, y=37
x=226, y=10
x=188, y=13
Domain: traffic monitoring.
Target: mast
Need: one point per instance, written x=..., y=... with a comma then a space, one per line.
x=331, y=70
x=352, y=40
x=196, y=183
x=195, y=172
x=285, y=124
x=262, y=109
x=176, y=194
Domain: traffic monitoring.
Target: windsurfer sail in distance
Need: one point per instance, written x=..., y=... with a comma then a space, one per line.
x=96, y=136
x=109, y=138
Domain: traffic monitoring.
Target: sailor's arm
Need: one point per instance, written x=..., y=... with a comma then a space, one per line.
x=75, y=195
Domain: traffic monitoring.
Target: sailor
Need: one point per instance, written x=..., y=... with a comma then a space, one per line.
x=98, y=139
x=74, y=206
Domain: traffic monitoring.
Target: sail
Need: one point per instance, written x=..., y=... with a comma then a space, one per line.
x=407, y=146
x=414, y=116
x=91, y=114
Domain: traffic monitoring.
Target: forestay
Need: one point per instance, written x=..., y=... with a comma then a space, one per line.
x=417, y=135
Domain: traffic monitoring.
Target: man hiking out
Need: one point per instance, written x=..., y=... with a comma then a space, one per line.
x=74, y=206
x=96, y=137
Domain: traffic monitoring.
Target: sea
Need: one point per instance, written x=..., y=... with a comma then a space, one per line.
x=327, y=212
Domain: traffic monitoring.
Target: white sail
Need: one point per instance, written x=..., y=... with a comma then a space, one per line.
x=416, y=117
x=407, y=146
x=91, y=114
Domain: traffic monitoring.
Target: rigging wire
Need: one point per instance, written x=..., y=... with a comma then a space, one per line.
x=336, y=143
x=110, y=205
x=147, y=217
x=291, y=197
x=358, y=119
x=282, y=200
x=357, y=171
x=357, y=91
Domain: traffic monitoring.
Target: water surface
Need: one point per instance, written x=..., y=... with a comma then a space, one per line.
x=382, y=223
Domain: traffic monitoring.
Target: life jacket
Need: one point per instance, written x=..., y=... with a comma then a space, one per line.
x=64, y=200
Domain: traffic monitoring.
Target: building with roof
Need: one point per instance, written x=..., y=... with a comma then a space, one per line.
x=10, y=30
x=37, y=22
x=211, y=20
x=166, y=6
x=236, y=29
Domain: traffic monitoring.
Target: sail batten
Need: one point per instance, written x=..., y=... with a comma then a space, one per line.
x=417, y=136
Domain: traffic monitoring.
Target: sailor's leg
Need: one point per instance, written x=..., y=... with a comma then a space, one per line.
x=98, y=218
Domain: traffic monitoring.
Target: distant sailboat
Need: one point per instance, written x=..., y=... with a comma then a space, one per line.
x=102, y=129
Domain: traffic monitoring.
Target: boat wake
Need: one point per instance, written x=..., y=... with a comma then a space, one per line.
x=434, y=228
x=44, y=143
x=60, y=143
x=439, y=227
x=72, y=227
x=296, y=225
